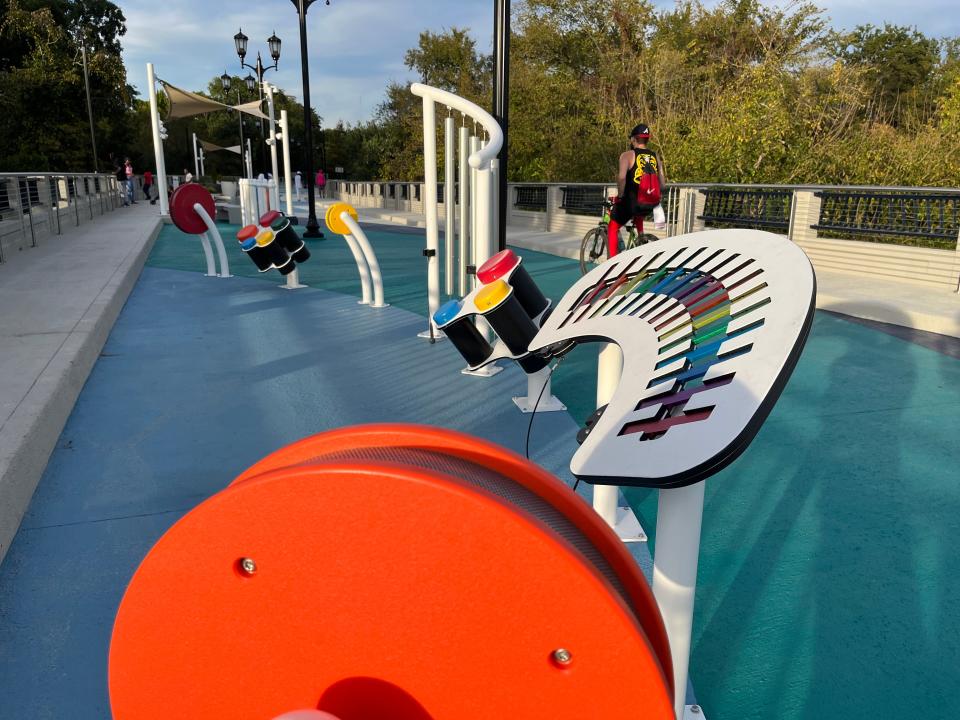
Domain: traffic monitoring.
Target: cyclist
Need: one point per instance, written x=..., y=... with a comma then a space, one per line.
x=639, y=181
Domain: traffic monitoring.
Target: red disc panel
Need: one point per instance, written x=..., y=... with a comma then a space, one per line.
x=181, y=207
x=497, y=266
x=268, y=218
x=381, y=579
x=247, y=232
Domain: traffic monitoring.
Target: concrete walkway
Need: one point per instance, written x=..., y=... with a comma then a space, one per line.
x=912, y=305
x=59, y=302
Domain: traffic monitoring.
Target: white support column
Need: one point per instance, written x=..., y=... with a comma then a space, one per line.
x=430, y=213
x=208, y=255
x=287, y=172
x=272, y=142
x=365, y=291
x=215, y=233
x=463, y=250
x=449, y=203
x=369, y=256
x=196, y=158
x=609, y=369
x=472, y=254
x=157, y=143
x=249, y=160
x=203, y=170
x=538, y=389
x=679, y=517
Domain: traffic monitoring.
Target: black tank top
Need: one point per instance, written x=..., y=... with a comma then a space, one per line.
x=643, y=161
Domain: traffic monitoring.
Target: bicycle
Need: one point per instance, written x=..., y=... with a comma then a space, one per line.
x=593, y=247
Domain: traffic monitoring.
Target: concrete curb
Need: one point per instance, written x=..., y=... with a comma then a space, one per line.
x=31, y=433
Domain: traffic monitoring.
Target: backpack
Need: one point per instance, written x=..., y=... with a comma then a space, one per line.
x=647, y=180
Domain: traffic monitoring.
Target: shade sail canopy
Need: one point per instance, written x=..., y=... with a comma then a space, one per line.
x=211, y=147
x=184, y=103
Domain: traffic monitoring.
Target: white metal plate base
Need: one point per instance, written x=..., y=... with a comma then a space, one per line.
x=485, y=371
x=547, y=404
x=292, y=287
x=628, y=527
x=225, y=276
x=693, y=712
x=436, y=335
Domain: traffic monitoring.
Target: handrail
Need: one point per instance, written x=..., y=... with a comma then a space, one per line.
x=488, y=152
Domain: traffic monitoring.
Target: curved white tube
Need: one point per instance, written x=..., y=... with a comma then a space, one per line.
x=369, y=256
x=492, y=149
x=361, y=268
x=208, y=254
x=212, y=227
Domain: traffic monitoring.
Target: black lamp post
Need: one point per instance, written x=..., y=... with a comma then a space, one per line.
x=273, y=45
x=226, y=81
x=501, y=105
x=313, y=227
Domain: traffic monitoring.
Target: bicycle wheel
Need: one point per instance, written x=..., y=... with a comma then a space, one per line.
x=593, y=247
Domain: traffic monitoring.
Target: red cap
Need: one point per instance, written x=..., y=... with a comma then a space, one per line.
x=497, y=266
x=267, y=219
x=247, y=232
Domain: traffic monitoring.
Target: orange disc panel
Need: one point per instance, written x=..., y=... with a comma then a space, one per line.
x=382, y=581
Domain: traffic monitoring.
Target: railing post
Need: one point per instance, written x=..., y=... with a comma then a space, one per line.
x=554, y=200
x=698, y=204
x=805, y=212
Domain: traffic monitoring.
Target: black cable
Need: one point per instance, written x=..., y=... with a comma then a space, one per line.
x=577, y=482
x=537, y=404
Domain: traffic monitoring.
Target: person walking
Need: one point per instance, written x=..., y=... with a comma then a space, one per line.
x=147, y=185
x=321, y=183
x=128, y=170
x=639, y=182
x=298, y=184
x=121, y=174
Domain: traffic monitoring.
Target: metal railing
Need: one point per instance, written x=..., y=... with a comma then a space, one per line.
x=922, y=218
x=37, y=205
x=583, y=199
x=532, y=198
x=763, y=209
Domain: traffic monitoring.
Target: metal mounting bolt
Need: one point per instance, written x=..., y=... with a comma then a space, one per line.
x=695, y=709
x=562, y=656
x=247, y=566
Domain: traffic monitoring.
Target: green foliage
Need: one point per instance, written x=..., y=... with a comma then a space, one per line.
x=43, y=111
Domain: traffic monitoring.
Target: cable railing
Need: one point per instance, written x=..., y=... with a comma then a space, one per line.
x=38, y=205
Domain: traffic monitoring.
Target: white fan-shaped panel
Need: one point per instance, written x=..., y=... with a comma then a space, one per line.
x=711, y=325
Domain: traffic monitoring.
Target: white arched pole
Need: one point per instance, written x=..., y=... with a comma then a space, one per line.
x=463, y=255
x=157, y=142
x=215, y=233
x=449, y=203
x=287, y=173
x=430, y=214
x=272, y=142
x=371, y=259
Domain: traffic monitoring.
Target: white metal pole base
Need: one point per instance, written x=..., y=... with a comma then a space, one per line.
x=679, y=517
x=628, y=527
x=374, y=305
x=486, y=371
x=538, y=386
x=693, y=712
x=293, y=282
x=436, y=335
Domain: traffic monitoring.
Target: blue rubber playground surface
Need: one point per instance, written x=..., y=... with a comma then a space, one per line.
x=828, y=583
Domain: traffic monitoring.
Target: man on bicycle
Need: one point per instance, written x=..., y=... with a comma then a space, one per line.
x=639, y=182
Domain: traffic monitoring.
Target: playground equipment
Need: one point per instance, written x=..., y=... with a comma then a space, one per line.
x=192, y=210
x=256, y=199
x=341, y=219
x=273, y=243
x=512, y=305
x=710, y=326
x=477, y=204
x=390, y=571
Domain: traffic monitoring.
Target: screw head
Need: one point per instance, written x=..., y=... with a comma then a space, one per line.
x=247, y=566
x=562, y=656
x=695, y=709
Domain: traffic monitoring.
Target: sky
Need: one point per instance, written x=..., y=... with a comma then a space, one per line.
x=356, y=47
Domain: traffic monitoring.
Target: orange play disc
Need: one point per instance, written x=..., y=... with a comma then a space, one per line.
x=390, y=571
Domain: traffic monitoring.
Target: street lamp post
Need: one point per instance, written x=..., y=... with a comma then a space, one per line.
x=273, y=44
x=226, y=81
x=313, y=227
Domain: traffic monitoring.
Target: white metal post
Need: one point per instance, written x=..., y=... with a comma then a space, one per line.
x=249, y=160
x=494, y=202
x=203, y=170
x=609, y=369
x=485, y=231
x=449, y=203
x=196, y=159
x=464, y=237
x=218, y=241
x=679, y=517
x=287, y=172
x=157, y=142
x=430, y=212
x=366, y=293
x=272, y=142
x=471, y=254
